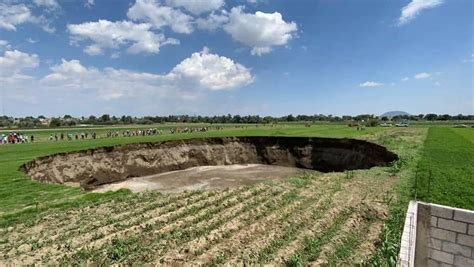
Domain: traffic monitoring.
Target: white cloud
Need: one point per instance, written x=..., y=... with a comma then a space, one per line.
x=115, y=55
x=414, y=8
x=106, y=34
x=197, y=7
x=160, y=16
x=405, y=79
x=51, y=4
x=437, y=83
x=93, y=50
x=469, y=59
x=213, y=21
x=371, y=84
x=12, y=65
x=14, y=62
x=261, y=31
x=422, y=75
x=13, y=15
x=212, y=71
x=201, y=72
x=89, y=3
x=4, y=45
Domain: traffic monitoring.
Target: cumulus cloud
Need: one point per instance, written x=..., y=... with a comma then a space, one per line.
x=89, y=3
x=159, y=16
x=422, y=75
x=405, y=79
x=415, y=7
x=50, y=4
x=197, y=7
x=14, y=62
x=4, y=45
x=212, y=71
x=202, y=71
x=261, y=31
x=371, y=84
x=105, y=34
x=13, y=15
x=213, y=21
x=12, y=77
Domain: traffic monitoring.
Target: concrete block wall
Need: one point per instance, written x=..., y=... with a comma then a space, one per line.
x=449, y=235
x=436, y=235
x=444, y=236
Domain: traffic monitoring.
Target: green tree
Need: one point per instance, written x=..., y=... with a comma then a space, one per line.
x=55, y=122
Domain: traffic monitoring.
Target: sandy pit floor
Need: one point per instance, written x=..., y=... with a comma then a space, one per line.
x=204, y=177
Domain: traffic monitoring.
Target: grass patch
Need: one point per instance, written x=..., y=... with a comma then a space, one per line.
x=446, y=169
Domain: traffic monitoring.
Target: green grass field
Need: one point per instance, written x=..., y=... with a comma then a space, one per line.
x=446, y=170
x=445, y=152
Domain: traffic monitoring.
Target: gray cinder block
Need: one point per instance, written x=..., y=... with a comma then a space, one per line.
x=435, y=243
x=471, y=229
x=441, y=256
x=463, y=262
x=432, y=263
x=451, y=225
x=464, y=216
x=466, y=240
x=441, y=212
x=443, y=234
x=457, y=249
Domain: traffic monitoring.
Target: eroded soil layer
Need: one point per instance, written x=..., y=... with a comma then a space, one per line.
x=94, y=167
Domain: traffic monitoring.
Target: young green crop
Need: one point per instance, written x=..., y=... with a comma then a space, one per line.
x=446, y=169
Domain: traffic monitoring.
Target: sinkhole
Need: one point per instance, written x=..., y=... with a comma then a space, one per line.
x=178, y=165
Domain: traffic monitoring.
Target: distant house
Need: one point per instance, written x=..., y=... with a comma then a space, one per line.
x=44, y=122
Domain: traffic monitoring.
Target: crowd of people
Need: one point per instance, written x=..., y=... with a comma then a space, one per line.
x=155, y=131
x=14, y=138
x=71, y=136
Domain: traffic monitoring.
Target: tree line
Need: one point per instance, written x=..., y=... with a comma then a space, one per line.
x=106, y=119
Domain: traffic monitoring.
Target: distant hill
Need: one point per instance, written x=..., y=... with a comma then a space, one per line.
x=392, y=114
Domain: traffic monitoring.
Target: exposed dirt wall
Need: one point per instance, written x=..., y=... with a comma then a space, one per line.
x=95, y=167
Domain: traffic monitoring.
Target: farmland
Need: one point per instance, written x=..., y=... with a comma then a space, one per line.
x=324, y=218
x=446, y=170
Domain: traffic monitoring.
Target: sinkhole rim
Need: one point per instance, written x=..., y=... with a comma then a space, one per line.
x=317, y=153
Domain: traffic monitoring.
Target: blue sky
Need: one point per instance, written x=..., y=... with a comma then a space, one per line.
x=213, y=57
